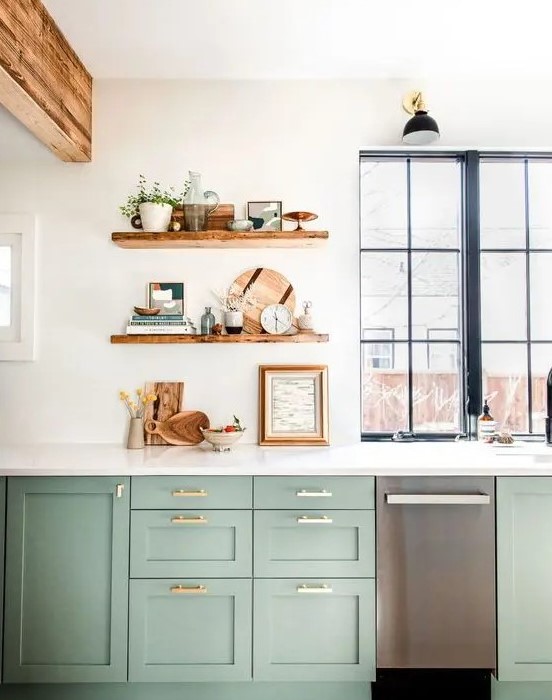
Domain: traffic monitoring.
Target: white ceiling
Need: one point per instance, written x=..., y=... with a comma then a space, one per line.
x=273, y=39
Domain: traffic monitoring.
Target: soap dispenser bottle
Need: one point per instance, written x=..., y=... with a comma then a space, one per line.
x=548, y=421
x=486, y=424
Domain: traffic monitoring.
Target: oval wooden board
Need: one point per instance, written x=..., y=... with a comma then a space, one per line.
x=269, y=287
x=181, y=429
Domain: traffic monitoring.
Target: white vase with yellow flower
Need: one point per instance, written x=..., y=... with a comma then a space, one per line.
x=136, y=408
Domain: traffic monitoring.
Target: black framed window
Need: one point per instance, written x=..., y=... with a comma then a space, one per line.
x=456, y=270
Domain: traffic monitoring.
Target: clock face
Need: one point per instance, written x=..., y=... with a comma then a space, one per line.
x=276, y=319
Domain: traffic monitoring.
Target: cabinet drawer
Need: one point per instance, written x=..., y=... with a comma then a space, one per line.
x=314, y=630
x=160, y=492
x=184, y=543
x=337, y=543
x=314, y=492
x=190, y=630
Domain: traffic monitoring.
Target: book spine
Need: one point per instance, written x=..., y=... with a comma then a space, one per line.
x=159, y=323
x=158, y=317
x=175, y=330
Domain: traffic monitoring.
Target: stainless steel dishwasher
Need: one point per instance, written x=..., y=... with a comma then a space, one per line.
x=436, y=573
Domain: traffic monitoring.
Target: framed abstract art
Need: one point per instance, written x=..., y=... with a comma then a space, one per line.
x=293, y=405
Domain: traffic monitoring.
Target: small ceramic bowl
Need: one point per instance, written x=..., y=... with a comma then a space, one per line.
x=221, y=442
x=144, y=311
x=239, y=225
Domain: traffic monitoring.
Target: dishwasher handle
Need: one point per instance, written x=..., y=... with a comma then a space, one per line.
x=438, y=499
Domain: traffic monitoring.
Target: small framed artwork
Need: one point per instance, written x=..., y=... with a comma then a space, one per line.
x=167, y=296
x=266, y=216
x=293, y=405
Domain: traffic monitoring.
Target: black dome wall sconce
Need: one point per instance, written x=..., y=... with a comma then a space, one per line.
x=421, y=129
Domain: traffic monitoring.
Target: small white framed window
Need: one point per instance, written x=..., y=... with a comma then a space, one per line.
x=379, y=354
x=17, y=287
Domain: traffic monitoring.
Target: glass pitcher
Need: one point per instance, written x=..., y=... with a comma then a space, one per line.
x=198, y=205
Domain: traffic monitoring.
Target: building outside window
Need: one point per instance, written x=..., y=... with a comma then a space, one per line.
x=456, y=259
x=378, y=353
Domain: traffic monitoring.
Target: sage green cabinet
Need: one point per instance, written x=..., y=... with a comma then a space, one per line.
x=185, y=543
x=314, y=492
x=190, y=630
x=168, y=492
x=314, y=630
x=330, y=543
x=524, y=578
x=66, y=580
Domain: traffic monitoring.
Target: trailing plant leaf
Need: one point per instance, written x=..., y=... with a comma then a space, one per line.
x=154, y=194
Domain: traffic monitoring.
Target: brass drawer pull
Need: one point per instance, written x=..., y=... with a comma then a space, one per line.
x=199, y=519
x=188, y=589
x=303, y=493
x=185, y=492
x=322, y=588
x=314, y=519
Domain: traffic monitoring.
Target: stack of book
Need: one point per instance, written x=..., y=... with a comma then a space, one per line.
x=162, y=324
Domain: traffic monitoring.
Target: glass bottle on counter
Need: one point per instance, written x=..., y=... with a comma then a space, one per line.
x=207, y=322
x=486, y=425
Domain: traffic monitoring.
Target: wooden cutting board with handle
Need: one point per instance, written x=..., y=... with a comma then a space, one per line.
x=181, y=429
x=268, y=287
x=170, y=399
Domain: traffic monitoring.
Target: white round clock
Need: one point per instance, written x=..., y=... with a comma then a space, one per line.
x=276, y=319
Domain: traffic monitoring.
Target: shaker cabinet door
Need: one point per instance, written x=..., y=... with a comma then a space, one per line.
x=190, y=630
x=314, y=630
x=66, y=579
x=524, y=578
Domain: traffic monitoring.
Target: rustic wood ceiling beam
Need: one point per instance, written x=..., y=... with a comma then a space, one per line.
x=42, y=80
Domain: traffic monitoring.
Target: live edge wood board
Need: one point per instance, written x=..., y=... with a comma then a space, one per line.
x=220, y=239
x=245, y=338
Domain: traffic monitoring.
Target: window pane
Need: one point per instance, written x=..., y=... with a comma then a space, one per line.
x=436, y=387
x=385, y=393
x=541, y=293
x=436, y=204
x=434, y=293
x=503, y=296
x=505, y=384
x=5, y=285
x=540, y=205
x=383, y=204
x=502, y=197
x=541, y=362
x=384, y=302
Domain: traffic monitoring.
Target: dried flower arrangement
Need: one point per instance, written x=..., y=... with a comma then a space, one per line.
x=232, y=299
x=136, y=408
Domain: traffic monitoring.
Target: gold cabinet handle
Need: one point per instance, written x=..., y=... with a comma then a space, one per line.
x=321, y=588
x=185, y=492
x=303, y=493
x=185, y=520
x=119, y=490
x=314, y=519
x=188, y=589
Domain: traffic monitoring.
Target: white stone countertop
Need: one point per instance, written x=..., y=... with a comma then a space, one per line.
x=463, y=458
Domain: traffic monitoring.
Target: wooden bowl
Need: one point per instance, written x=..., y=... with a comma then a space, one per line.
x=144, y=311
x=299, y=216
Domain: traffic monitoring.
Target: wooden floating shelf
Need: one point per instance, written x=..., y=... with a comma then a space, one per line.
x=243, y=338
x=220, y=239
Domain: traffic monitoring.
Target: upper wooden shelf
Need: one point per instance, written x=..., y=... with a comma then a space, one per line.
x=220, y=239
x=309, y=337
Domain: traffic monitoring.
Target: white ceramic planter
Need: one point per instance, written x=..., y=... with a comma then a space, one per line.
x=155, y=217
x=233, y=322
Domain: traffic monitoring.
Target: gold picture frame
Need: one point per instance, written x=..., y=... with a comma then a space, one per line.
x=293, y=405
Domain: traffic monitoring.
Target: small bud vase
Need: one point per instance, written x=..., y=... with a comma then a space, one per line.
x=135, y=439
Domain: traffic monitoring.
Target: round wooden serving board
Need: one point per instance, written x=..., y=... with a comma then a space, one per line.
x=269, y=287
x=181, y=429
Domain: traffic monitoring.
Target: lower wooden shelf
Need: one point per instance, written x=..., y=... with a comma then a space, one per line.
x=151, y=339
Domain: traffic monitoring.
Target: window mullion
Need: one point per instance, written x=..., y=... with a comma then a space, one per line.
x=409, y=294
x=472, y=294
x=528, y=300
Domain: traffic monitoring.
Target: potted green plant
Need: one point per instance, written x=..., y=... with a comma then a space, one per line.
x=152, y=205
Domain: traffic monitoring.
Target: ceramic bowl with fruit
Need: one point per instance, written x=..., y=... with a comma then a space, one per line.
x=224, y=437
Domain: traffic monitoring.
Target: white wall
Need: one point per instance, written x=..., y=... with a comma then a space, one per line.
x=294, y=141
